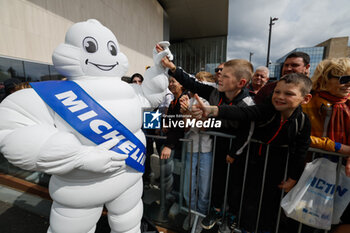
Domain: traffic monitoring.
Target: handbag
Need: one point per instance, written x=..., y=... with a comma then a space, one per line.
x=312, y=200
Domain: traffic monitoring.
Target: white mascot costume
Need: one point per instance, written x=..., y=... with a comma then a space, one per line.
x=86, y=172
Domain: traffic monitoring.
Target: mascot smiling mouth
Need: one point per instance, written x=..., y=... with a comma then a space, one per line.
x=102, y=67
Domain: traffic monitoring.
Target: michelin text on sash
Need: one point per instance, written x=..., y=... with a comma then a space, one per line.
x=99, y=126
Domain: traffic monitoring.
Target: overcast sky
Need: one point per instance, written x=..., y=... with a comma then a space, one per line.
x=301, y=23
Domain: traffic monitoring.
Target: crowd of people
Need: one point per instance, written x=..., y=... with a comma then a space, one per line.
x=283, y=118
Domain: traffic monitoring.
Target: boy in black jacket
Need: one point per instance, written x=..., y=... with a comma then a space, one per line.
x=284, y=129
x=230, y=91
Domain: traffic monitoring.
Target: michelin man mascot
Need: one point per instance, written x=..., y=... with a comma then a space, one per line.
x=86, y=132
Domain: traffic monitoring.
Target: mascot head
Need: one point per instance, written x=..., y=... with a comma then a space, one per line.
x=90, y=49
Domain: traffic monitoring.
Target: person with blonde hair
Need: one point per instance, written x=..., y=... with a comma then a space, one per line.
x=329, y=112
x=205, y=76
x=329, y=109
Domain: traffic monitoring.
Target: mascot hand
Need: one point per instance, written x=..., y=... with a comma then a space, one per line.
x=100, y=158
x=157, y=57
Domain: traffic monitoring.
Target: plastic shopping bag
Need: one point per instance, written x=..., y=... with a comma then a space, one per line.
x=311, y=200
x=342, y=198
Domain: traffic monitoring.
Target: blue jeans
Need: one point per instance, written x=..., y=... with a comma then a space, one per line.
x=202, y=181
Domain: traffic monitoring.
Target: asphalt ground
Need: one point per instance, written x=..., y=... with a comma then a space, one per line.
x=25, y=213
x=14, y=219
x=21, y=212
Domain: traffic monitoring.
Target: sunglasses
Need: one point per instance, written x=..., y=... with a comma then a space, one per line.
x=218, y=69
x=344, y=79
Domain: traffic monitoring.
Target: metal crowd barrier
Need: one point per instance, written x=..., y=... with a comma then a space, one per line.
x=160, y=214
x=196, y=214
x=223, y=225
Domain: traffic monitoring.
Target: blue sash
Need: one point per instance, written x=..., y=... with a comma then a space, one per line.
x=90, y=119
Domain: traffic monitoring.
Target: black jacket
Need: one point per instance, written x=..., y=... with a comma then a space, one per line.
x=295, y=132
x=174, y=133
x=214, y=97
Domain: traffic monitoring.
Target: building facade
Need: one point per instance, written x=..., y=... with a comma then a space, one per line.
x=32, y=29
x=198, y=33
x=204, y=54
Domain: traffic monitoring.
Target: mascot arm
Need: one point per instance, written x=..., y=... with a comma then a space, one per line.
x=30, y=140
x=154, y=86
x=156, y=78
x=22, y=146
x=69, y=154
x=145, y=103
x=44, y=148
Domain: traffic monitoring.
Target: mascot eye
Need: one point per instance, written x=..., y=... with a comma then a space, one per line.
x=112, y=48
x=90, y=44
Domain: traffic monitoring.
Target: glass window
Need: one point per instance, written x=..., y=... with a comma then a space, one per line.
x=315, y=53
x=54, y=75
x=199, y=54
x=36, y=72
x=11, y=68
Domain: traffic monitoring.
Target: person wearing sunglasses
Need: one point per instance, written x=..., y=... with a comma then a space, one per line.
x=331, y=103
x=329, y=112
x=218, y=72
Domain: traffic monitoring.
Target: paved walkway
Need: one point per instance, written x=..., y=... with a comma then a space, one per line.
x=25, y=213
x=17, y=220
